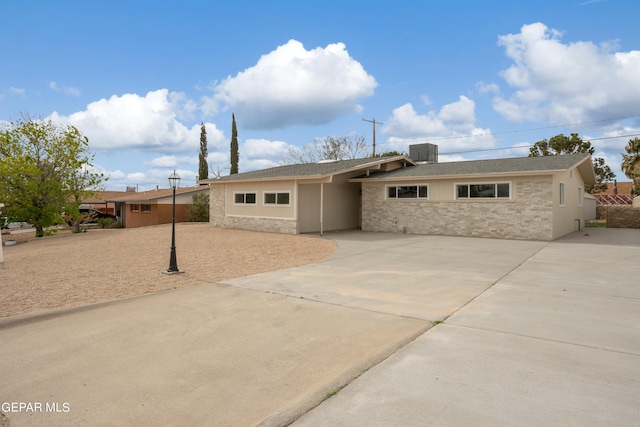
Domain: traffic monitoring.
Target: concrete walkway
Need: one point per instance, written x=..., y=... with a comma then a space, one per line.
x=556, y=342
x=533, y=333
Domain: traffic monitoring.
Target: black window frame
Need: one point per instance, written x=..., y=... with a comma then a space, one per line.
x=408, y=192
x=483, y=190
x=249, y=198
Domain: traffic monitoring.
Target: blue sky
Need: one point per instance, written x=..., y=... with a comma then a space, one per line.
x=138, y=77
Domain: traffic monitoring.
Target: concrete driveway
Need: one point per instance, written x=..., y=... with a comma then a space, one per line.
x=532, y=333
x=554, y=342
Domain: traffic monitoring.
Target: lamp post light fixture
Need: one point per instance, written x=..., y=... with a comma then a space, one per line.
x=174, y=181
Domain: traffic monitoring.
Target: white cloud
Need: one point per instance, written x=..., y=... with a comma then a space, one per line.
x=292, y=85
x=262, y=153
x=147, y=122
x=163, y=161
x=148, y=179
x=566, y=83
x=452, y=128
x=16, y=91
x=405, y=122
x=459, y=114
x=488, y=88
x=67, y=90
x=71, y=91
x=255, y=148
x=425, y=99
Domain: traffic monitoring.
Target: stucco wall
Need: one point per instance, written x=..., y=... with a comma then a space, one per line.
x=527, y=215
x=217, y=217
x=260, y=209
x=341, y=204
x=589, y=207
x=568, y=218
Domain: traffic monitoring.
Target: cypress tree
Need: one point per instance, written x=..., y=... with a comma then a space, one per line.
x=234, y=146
x=203, y=167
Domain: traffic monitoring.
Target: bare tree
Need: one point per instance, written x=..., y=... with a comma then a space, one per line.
x=330, y=148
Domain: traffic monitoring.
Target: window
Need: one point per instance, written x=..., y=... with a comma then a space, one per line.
x=408, y=192
x=135, y=207
x=501, y=190
x=244, y=198
x=561, y=193
x=277, y=198
x=146, y=208
x=580, y=197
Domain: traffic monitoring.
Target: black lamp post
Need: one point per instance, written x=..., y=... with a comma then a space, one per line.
x=174, y=181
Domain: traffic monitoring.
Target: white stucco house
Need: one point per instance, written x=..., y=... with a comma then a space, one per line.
x=532, y=198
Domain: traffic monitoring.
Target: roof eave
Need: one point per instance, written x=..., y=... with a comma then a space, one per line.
x=457, y=176
x=325, y=176
x=585, y=167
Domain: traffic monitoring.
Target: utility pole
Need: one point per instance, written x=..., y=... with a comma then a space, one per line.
x=374, y=133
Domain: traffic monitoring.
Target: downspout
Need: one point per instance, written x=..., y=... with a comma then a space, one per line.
x=321, y=208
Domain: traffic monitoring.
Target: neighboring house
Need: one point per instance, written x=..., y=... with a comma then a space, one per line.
x=153, y=207
x=616, y=194
x=99, y=202
x=615, y=188
x=537, y=198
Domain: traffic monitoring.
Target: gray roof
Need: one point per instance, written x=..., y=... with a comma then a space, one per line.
x=308, y=170
x=520, y=165
x=150, y=195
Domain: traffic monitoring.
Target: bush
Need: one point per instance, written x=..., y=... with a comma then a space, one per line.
x=105, y=222
x=199, y=210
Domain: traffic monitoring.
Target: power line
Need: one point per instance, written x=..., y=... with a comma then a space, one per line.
x=515, y=147
x=520, y=130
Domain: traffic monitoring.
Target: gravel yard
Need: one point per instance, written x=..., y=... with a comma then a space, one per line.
x=101, y=265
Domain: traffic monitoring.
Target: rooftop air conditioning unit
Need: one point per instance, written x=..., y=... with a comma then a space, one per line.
x=424, y=153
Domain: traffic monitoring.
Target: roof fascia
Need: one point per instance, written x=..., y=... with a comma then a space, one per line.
x=141, y=199
x=326, y=178
x=585, y=168
x=457, y=176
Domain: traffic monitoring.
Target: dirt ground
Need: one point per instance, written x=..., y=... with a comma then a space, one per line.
x=100, y=265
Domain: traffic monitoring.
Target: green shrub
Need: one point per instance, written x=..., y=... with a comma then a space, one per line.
x=105, y=222
x=199, y=210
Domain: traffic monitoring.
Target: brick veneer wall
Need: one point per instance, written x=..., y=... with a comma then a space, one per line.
x=528, y=216
x=217, y=217
x=160, y=214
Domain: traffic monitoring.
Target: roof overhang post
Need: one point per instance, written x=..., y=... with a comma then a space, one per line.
x=321, y=208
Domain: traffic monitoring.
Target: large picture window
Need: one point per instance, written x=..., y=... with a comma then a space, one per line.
x=500, y=190
x=277, y=198
x=244, y=198
x=408, y=192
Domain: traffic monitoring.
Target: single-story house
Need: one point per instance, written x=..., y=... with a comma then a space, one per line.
x=533, y=198
x=153, y=207
x=99, y=202
x=615, y=187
